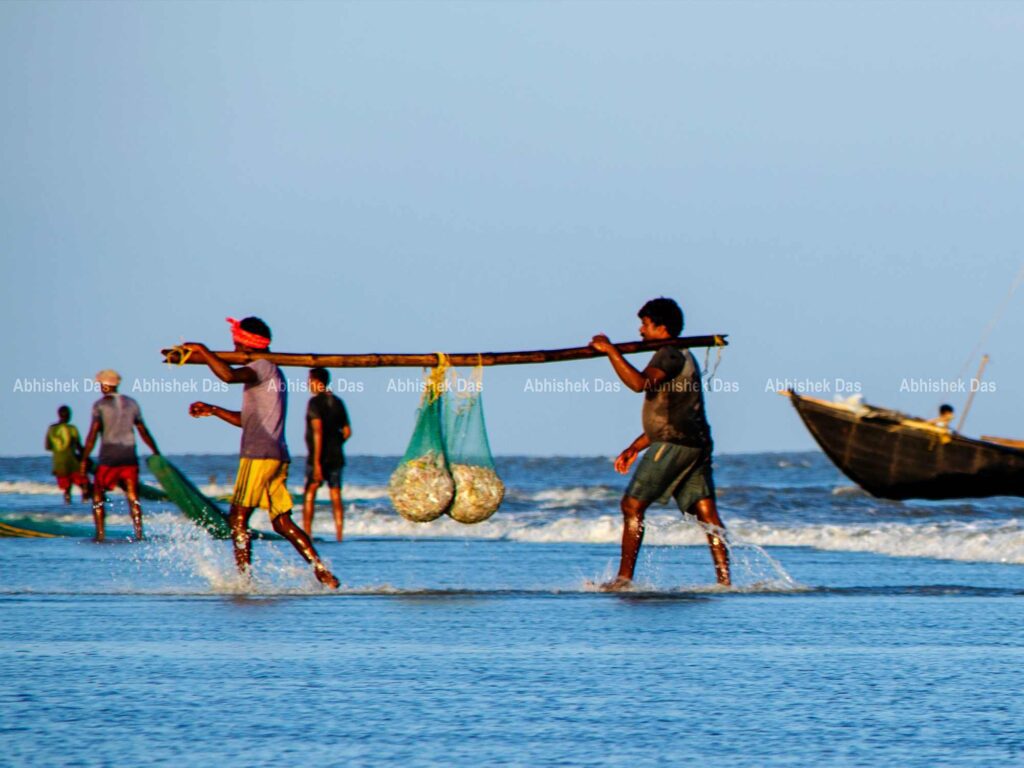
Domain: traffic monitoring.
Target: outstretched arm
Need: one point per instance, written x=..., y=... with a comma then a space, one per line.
x=221, y=369
x=638, y=381
x=198, y=410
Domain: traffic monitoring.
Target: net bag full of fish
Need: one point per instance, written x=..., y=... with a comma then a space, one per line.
x=478, y=489
x=421, y=488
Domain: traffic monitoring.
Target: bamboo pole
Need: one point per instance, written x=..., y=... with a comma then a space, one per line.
x=430, y=360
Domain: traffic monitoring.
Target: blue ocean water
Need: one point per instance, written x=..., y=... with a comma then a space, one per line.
x=860, y=632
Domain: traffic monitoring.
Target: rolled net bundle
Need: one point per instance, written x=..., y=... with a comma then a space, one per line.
x=421, y=488
x=478, y=489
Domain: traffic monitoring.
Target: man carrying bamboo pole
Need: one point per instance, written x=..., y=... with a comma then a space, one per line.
x=263, y=465
x=676, y=436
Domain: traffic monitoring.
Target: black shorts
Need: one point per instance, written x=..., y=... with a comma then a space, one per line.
x=332, y=475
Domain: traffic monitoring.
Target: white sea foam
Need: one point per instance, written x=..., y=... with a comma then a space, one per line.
x=988, y=542
x=566, y=497
x=849, y=490
x=1000, y=541
x=996, y=542
x=31, y=488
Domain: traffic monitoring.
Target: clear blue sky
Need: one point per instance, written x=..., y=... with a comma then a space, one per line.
x=837, y=186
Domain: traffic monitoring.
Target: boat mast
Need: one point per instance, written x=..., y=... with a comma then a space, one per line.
x=974, y=390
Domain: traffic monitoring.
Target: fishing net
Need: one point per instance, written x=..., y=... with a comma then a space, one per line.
x=188, y=498
x=478, y=489
x=421, y=488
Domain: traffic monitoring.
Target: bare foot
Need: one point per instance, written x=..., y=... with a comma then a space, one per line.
x=325, y=577
x=621, y=584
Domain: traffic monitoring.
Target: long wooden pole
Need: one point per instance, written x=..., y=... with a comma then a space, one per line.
x=430, y=360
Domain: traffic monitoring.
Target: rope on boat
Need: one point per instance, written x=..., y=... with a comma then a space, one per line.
x=1000, y=310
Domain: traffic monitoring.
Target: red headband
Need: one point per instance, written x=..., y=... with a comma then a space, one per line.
x=249, y=339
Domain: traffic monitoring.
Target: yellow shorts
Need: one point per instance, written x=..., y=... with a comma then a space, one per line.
x=261, y=483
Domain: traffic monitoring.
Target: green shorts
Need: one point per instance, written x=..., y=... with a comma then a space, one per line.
x=673, y=471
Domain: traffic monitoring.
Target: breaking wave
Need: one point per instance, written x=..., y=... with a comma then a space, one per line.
x=977, y=541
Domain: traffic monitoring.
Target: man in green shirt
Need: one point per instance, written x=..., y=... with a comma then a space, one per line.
x=63, y=440
x=676, y=441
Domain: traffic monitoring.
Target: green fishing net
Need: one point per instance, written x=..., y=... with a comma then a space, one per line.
x=188, y=498
x=478, y=489
x=421, y=488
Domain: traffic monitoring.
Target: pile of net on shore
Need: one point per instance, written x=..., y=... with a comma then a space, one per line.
x=448, y=467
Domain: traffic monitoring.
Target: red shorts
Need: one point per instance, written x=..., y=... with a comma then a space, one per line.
x=75, y=478
x=109, y=477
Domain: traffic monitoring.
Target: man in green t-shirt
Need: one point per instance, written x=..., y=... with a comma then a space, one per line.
x=63, y=440
x=676, y=441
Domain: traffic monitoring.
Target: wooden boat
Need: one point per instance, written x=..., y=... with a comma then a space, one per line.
x=895, y=456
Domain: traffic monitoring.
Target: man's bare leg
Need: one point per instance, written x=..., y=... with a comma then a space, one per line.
x=632, y=537
x=240, y=536
x=99, y=512
x=131, y=490
x=284, y=525
x=706, y=511
x=339, y=512
x=308, y=503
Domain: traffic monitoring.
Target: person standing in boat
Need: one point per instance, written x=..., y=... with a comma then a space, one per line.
x=327, y=430
x=263, y=465
x=63, y=440
x=676, y=438
x=945, y=417
x=115, y=417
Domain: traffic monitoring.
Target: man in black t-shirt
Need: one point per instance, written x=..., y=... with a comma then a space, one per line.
x=327, y=429
x=676, y=437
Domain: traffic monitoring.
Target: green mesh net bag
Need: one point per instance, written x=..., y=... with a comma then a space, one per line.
x=421, y=488
x=478, y=489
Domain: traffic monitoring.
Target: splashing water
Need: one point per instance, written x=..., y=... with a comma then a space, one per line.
x=178, y=548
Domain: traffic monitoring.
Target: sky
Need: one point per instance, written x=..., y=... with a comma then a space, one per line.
x=836, y=186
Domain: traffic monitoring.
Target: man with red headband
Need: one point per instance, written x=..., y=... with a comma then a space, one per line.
x=263, y=466
x=115, y=417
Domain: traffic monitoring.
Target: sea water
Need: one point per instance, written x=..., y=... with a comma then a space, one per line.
x=859, y=631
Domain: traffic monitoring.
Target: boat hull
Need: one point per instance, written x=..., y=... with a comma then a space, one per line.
x=892, y=459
